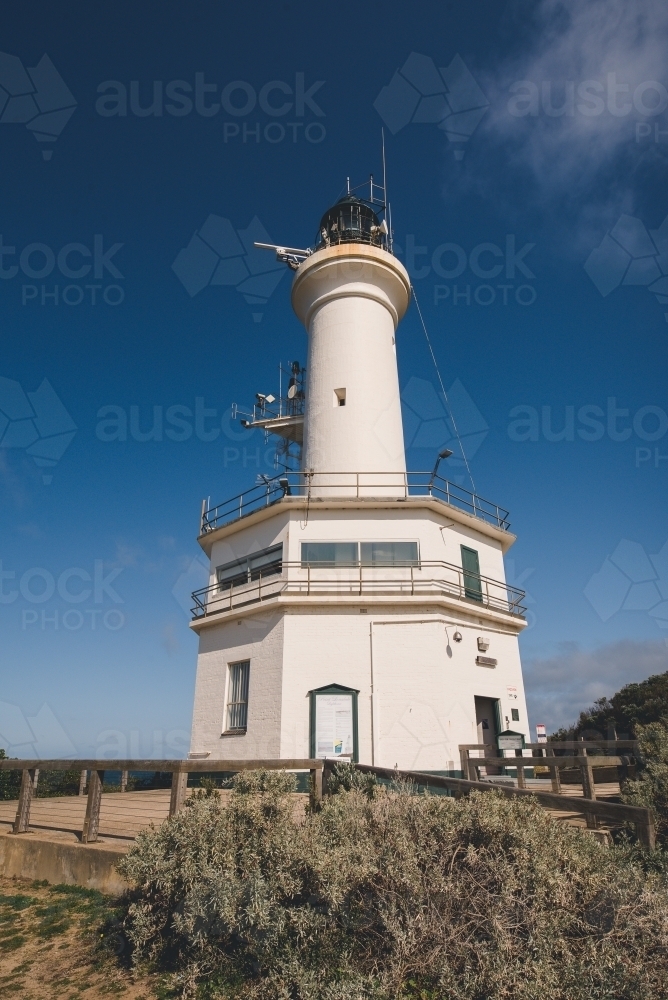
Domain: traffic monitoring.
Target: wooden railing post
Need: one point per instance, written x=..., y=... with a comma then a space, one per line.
x=521, y=783
x=316, y=787
x=327, y=772
x=124, y=781
x=587, y=776
x=647, y=832
x=588, y=790
x=22, y=821
x=555, y=777
x=82, y=782
x=464, y=761
x=92, y=820
x=179, y=791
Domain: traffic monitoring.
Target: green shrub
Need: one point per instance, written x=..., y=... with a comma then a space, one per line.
x=394, y=895
x=650, y=787
x=10, y=781
x=632, y=706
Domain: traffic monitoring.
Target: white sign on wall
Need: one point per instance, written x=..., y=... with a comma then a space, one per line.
x=333, y=725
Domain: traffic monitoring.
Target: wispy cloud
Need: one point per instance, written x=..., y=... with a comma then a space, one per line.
x=559, y=687
x=567, y=133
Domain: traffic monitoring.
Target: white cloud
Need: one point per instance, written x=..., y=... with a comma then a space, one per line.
x=589, y=152
x=558, y=688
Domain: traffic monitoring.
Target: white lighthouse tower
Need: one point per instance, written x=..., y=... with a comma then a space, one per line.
x=354, y=609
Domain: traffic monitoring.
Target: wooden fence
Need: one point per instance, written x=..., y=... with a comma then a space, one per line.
x=589, y=755
x=614, y=813
x=179, y=769
x=593, y=810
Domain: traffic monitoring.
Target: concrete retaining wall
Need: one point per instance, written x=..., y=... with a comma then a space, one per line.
x=31, y=856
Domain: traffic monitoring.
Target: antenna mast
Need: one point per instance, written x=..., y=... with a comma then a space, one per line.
x=387, y=202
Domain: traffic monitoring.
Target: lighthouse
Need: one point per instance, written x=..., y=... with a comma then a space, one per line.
x=355, y=609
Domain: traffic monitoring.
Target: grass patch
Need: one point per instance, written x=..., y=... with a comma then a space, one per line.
x=61, y=941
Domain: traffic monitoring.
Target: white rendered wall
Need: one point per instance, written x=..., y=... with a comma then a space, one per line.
x=260, y=640
x=423, y=701
x=425, y=684
x=351, y=298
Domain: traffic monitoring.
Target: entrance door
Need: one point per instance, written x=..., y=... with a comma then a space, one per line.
x=486, y=714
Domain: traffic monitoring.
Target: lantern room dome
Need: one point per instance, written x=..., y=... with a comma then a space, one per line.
x=350, y=220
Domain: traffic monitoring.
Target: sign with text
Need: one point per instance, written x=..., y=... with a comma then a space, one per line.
x=333, y=725
x=510, y=740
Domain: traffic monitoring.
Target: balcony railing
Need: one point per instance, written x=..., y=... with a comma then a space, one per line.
x=355, y=486
x=425, y=579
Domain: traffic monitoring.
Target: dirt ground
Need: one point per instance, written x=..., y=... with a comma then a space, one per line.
x=60, y=943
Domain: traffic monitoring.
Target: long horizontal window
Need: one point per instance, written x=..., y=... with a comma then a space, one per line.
x=389, y=553
x=332, y=554
x=259, y=564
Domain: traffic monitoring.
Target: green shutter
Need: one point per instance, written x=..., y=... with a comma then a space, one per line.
x=471, y=567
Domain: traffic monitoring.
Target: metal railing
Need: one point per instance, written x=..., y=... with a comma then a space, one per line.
x=426, y=579
x=352, y=486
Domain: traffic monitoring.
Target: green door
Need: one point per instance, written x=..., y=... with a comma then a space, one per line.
x=471, y=567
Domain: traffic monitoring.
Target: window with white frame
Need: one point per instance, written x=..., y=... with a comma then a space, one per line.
x=236, y=714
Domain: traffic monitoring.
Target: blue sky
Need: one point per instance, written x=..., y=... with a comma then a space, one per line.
x=531, y=222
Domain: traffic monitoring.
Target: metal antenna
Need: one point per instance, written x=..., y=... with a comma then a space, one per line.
x=382, y=139
x=388, y=209
x=348, y=185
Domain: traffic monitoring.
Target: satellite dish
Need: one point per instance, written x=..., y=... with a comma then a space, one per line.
x=292, y=391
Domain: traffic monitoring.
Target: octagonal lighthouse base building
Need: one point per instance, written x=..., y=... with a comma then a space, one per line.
x=354, y=609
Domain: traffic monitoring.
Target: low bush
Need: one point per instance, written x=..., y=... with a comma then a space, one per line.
x=385, y=894
x=650, y=787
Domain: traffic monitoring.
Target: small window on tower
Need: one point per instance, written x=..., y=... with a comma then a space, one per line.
x=515, y=714
x=237, y=697
x=339, y=397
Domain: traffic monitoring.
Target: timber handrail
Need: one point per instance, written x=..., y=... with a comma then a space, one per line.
x=592, y=809
x=179, y=769
x=543, y=755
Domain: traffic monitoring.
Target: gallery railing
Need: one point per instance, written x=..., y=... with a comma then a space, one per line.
x=427, y=579
x=353, y=486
